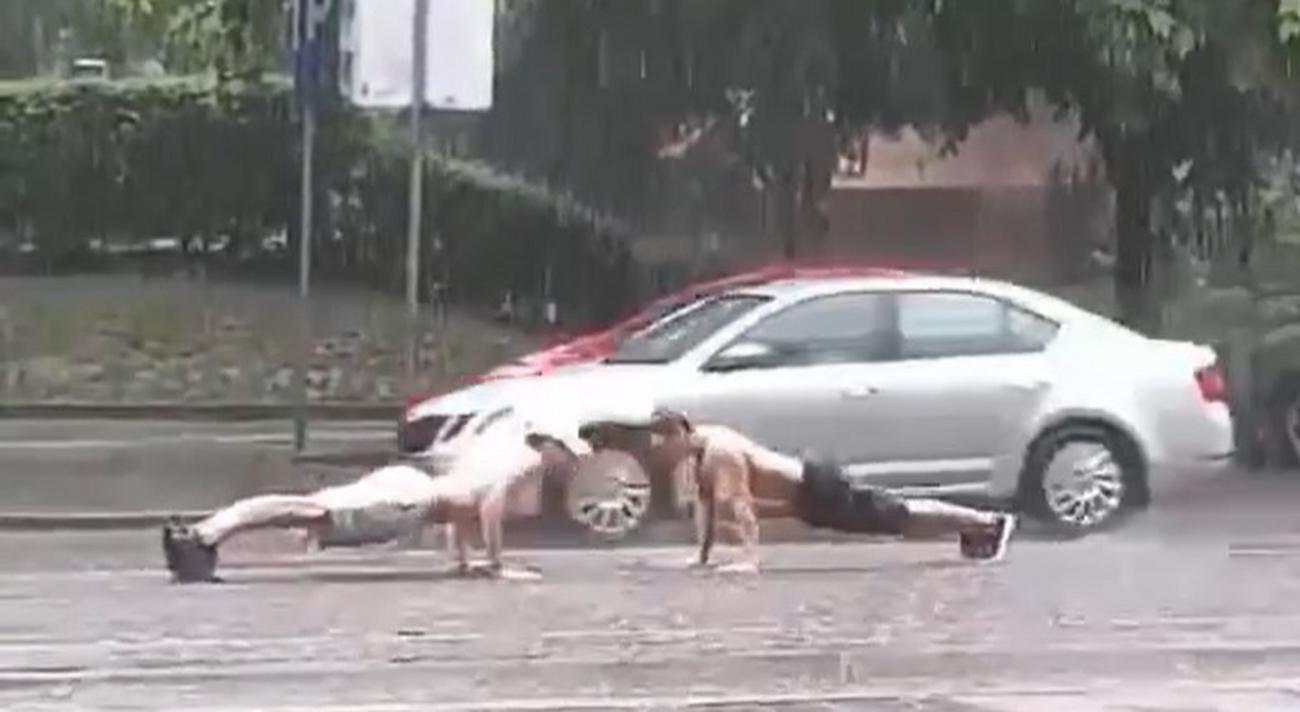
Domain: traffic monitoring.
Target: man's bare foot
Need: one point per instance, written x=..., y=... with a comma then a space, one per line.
x=739, y=567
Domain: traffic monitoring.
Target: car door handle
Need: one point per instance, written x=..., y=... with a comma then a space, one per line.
x=860, y=391
x=1034, y=384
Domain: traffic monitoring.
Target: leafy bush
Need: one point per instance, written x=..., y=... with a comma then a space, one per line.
x=216, y=165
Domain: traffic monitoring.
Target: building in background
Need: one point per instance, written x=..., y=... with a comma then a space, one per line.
x=1027, y=201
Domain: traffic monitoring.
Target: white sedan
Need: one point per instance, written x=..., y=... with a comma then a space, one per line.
x=934, y=385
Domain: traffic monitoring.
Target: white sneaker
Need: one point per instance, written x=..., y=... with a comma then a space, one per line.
x=1006, y=528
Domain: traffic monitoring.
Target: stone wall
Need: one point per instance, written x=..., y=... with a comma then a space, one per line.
x=124, y=339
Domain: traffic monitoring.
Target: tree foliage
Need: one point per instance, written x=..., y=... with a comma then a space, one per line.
x=593, y=89
x=598, y=86
x=1184, y=97
x=234, y=38
x=1186, y=100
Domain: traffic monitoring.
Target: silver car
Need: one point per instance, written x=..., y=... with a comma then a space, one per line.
x=934, y=385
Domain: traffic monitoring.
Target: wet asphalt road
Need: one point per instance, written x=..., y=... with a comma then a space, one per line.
x=1195, y=606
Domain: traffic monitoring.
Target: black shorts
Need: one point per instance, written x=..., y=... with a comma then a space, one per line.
x=827, y=500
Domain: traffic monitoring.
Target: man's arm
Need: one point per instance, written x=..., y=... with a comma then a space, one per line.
x=492, y=513
x=459, y=530
x=706, y=507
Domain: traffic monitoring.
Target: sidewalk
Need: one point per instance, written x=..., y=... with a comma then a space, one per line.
x=209, y=412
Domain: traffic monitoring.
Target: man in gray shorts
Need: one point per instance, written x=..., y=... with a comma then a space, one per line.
x=390, y=502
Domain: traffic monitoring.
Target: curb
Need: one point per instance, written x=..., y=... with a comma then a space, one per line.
x=231, y=412
x=90, y=521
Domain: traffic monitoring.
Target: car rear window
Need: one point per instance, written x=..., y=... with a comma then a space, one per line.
x=938, y=324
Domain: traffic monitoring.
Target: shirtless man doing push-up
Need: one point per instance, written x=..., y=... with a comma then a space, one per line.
x=746, y=480
x=390, y=502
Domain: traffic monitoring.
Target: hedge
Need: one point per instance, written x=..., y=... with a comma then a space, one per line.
x=218, y=164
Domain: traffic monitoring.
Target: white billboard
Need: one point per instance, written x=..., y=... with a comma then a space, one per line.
x=377, y=35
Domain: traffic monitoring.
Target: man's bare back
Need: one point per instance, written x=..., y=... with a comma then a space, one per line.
x=385, y=504
x=736, y=477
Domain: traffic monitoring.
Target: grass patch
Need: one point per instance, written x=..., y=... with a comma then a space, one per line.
x=124, y=340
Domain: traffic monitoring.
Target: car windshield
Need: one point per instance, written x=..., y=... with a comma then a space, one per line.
x=658, y=312
x=653, y=314
x=667, y=340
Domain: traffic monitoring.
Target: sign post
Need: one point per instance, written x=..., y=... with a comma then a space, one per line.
x=448, y=64
x=304, y=282
x=309, y=17
x=419, y=52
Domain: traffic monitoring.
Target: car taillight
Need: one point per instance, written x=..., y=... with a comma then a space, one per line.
x=1213, y=386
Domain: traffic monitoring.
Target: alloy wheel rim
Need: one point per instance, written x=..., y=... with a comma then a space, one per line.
x=615, y=516
x=609, y=494
x=1084, y=484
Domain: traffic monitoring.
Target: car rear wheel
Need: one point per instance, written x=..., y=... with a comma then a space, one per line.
x=1284, y=422
x=609, y=495
x=1081, y=478
x=1278, y=443
x=1292, y=425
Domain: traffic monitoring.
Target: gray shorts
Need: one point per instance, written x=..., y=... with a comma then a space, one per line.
x=375, y=524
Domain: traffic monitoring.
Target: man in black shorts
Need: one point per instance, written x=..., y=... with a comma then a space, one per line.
x=740, y=477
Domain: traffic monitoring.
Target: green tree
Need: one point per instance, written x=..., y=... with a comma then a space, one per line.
x=1184, y=99
x=591, y=89
x=234, y=38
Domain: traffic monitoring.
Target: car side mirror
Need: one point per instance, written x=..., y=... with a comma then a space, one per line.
x=740, y=356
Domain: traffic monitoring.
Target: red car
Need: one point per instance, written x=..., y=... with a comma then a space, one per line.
x=415, y=435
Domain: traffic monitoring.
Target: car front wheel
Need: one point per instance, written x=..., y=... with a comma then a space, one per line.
x=1081, y=478
x=609, y=495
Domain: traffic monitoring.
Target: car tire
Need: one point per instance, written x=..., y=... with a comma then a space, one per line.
x=609, y=496
x=1284, y=422
x=1080, y=478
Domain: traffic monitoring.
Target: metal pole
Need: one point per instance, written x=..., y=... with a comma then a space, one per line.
x=304, y=279
x=419, y=54
x=307, y=25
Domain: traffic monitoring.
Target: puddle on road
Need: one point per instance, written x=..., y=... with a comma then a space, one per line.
x=1275, y=547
